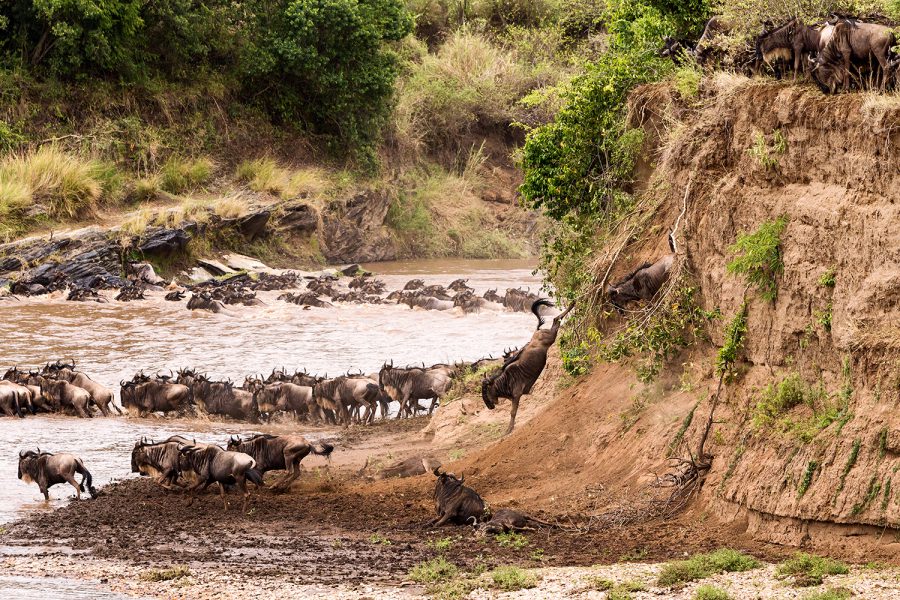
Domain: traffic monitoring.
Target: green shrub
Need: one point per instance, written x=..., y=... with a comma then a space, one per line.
x=827, y=279
x=759, y=257
x=432, y=571
x=710, y=592
x=510, y=579
x=701, y=566
x=806, y=480
x=686, y=80
x=183, y=175
x=777, y=399
x=809, y=569
x=511, y=539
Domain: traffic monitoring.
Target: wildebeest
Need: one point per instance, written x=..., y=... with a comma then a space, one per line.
x=222, y=398
x=175, y=296
x=853, y=43
x=130, y=292
x=470, y=303
x=521, y=371
x=409, y=385
x=215, y=465
x=159, y=460
x=708, y=50
x=454, y=502
x=506, y=520
x=11, y=399
x=308, y=299
x=84, y=294
x=791, y=42
x=640, y=284
x=677, y=50
x=65, y=395
x=519, y=299
x=203, y=301
x=47, y=469
x=144, y=396
x=343, y=393
x=102, y=396
x=414, y=284
x=279, y=453
x=281, y=396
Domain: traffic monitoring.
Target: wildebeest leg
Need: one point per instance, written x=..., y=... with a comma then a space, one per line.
x=241, y=483
x=46, y=492
x=71, y=480
x=104, y=409
x=115, y=406
x=222, y=494
x=434, y=403
x=512, y=414
x=444, y=518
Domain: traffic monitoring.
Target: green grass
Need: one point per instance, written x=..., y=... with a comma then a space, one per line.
x=510, y=579
x=511, y=539
x=827, y=279
x=809, y=569
x=710, y=592
x=686, y=80
x=180, y=175
x=701, y=566
x=806, y=480
x=441, y=544
x=776, y=400
x=156, y=575
x=433, y=571
x=379, y=540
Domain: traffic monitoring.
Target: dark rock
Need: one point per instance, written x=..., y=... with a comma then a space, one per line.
x=354, y=270
x=10, y=263
x=253, y=225
x=163, y=242
x=298, y=218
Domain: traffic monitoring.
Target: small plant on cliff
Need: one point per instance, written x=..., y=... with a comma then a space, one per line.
x=686, y=79
x=759, y=257
x=823, y=317
x=848, y=466
x=827, y=279
x=809, y=569
x=735, y=332
x=701, y=566
x=180, y=175
x=807, y=478
x=768, y=156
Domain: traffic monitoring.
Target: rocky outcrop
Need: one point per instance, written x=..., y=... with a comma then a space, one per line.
x=353, y=230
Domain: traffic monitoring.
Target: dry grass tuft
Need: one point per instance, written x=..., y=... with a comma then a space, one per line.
x=266, y=175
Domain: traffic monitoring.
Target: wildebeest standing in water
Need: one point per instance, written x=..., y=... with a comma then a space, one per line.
x=148, y=396
x=455, y=502
x=408, y=386
x=102, y=396
x=64, y=394
x=521, y=370
x=279, y=453
x=214, y=465
x=46, y=469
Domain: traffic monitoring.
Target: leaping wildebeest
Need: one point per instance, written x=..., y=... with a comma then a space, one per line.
x=521, y=370
x=279, y=453
x=47, y=469
x=214, y=465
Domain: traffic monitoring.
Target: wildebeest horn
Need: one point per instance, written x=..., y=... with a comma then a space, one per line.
x=462, y=477
x=21, y=454
x=436, y=471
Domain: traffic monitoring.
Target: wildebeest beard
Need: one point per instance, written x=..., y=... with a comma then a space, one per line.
x=158, y=459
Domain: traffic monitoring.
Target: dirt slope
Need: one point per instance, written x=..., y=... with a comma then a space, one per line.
x=753, y=151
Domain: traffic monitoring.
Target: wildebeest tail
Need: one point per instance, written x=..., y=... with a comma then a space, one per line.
x=325, y=449
x=87, y=480
x=255, y=477
x=534, y=309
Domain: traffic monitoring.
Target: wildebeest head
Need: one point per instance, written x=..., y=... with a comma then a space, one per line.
x=29, y=464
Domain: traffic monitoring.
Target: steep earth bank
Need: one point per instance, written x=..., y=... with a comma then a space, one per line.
x=820, y=472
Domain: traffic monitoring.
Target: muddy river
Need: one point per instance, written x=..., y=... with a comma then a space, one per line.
x=112, y=341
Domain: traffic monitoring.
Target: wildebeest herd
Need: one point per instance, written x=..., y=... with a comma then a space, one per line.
x=350, y=398
x=351, y=286
x=839, y=53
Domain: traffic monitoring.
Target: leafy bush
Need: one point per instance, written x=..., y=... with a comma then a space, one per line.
x=809, y=569
x=759, y=257
x=701, y=566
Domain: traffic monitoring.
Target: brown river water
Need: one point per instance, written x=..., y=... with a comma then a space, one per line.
x=112, y=341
